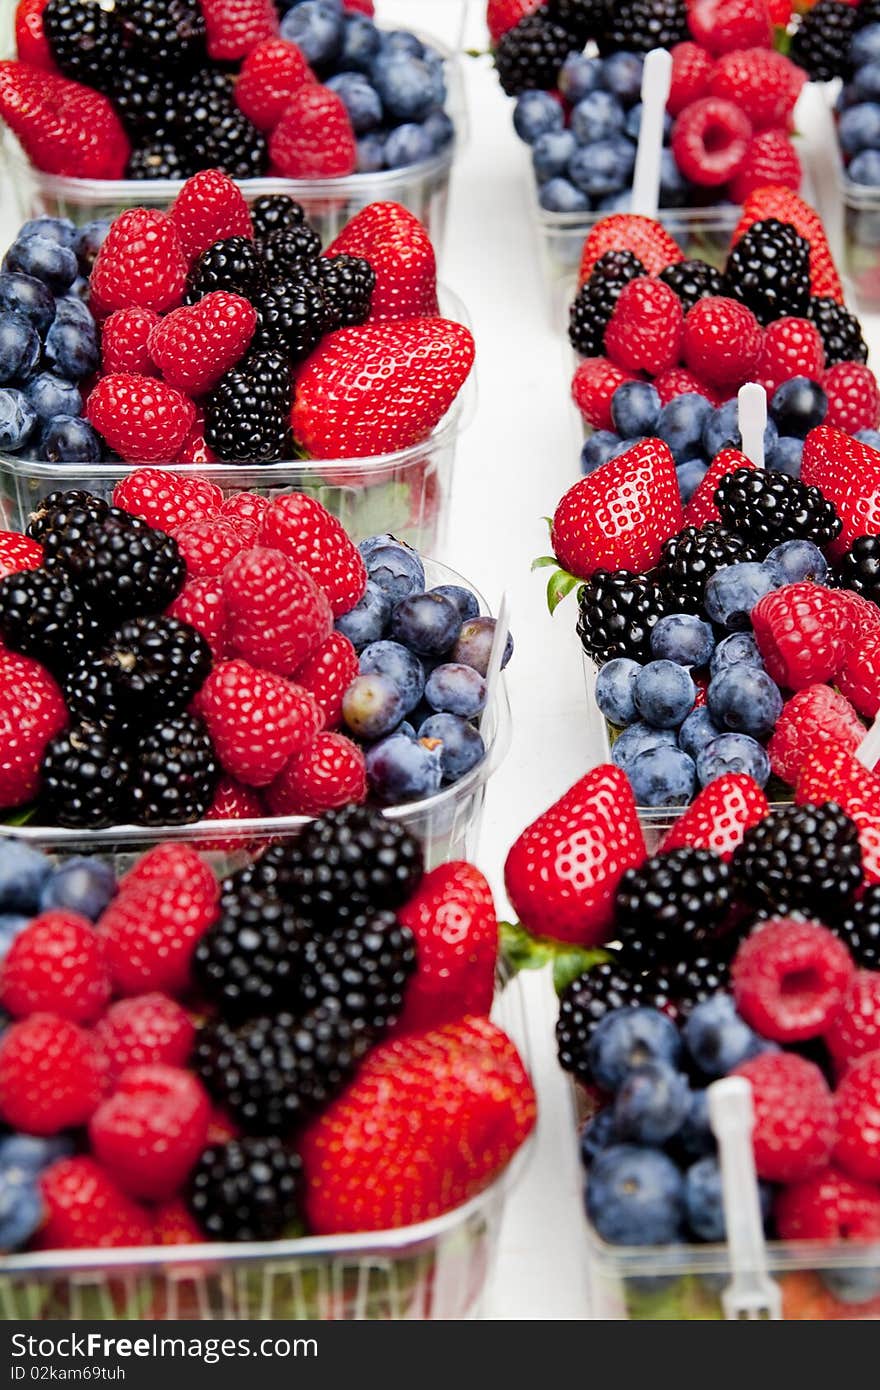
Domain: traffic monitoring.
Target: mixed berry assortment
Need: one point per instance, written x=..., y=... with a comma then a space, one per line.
x=301, y=1047
x=160, y=89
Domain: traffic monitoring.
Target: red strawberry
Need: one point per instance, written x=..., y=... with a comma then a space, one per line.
x=269, y=76
x=829, y=772
x=399, y=249
x=141, y=263
x=855, y=1031
x=722, y=342
x=794, y=1115
x=847, y=472
x=331, y=772
x=151, y=928
x=141, y=418
x=303, y=529
x=125, y=338
x=791, y=347
x=207, y=546
x=812, y=716
x=428, y=1122
x=502, y=15
x=619, y=516
x=147, y=1029
x=150, y=1132
x=691, y=69
x=858, y=1118
x=195, y=345
x=701, y=507
x=210, y=207
x=235, y=27
x=563, y=870
x=786, y=206
x=52, y=1075
x=257, y=721
x=18, y=553
x=56, y=965
x=763, y=82
x=770, y=158
x=314, y=138
x=803, y=633
x=31, y=43
x=853, y=397
x=592, y=388
x=725, y=25
x=644, y=333
x=327, y=674
x=85, y=1210
x=32, y=712
x=452, y=917
x=379, y=388
x=829, y=1206
x=166, y=500
x=64, y=128
x=710, y=140
x=200, y=603
x=720, y=816
x=627, y=231
x=276, y=615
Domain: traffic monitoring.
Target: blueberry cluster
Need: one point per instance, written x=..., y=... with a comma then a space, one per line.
x=424, y=656
x=48, y=341
x=858, y=108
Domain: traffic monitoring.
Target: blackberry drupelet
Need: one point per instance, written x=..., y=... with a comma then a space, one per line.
x=85, y=40
x=640, y=25
x=64, y=511
x=821, y=41
x=150, y=668
x=768, y=270
x=176, y=773
x=768, y=507
x=84, y=779
x=275, y=212
x=231, y=143
x=347, y=284
x=859, y=928
x=246, y=1190
x=692, y=281
x=291, y=318
x=618, y=610
x=158, y=160
x=270, y=373
x=691, y=981
x=614, y=984
x=42, y=615
x=119, y=564
x=530, y=54
x=232, y=264
x=272, y=1073
x=804, y=858
x=149, y=103
x=249, y=962
x=246, y=423
x=595, y=301
x=859, y=569
x=361, y=970
x=688, y=561
x=290, y=252
x=840, y=330
x=584, y=19
x=162, y=33
x=673, y=907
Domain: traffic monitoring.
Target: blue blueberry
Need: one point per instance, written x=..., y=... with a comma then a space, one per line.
x=367, y=621
x=865, y=45
x=68, y=439
x=407, y=144
x=462, y=745
x=19, y=348
x=81, y=884
x=722, y=431
x=45, y=260
x=21, y=1212
x=28, y=297
x=361, y=42
x=373, y=706
x=597, y=1134
x=400, y=665
x=704, y=1200
x=652, y=1104
x=396, y=568
x=635, y=409
x=89, y=240
x=865, y=168
x=865, y=86
x=604, y=167
x=664, y=694
x=59, y=229
x=552, y=153
x=625, y=1039
x=473, y=646
x=598, y=449
x=402, y=41
x=682, y=423
x=696, y=731
x=536, y=113
x=405, y=84
x=360, y=100
x=695, y=1137
x=869, y=437
x=744, y=700
x=50, y=395
x=614, y=691
x=316, y=29
x=23, y=871
x=24, y=1156
x=465, y=601
x=616, y=202
x=72, y=349
x=370, y=154
x=18, y=419
x=11, y=926
x=663, y=776
x=717, y=1038
x=401, y=770
x=599, y=116
x=639, y=738
x=800, y=560
x=682, y=638
x=633, y=125
x=787, y=457
x=439, y=129
x=560, y=195
x=455, y=689
x=624, y=446
x=859, y=128
x=635, y=1196
x=674, y=187
x=622, y=76
x=853, y=1284
x=427, y=623
x=733, y=753
x=731, y=651
x=689, y=475
x=732, y=592
x=798, y=406
x=578, y=76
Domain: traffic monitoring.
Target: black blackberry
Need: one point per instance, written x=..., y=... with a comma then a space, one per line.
x=840, y=330
x=158, y=160
x=530, y=54
x=245, y=422
x=859, y=569
x=64, y=511
x=769, y=271
x=673, y=907
x=618, y=610
x=347, y=284
x=768, y=507
x=804, y=858
x=584, y=19
x=347, y=862
x=120, y=565
x=42, y=615
x=592, y=307
x=275, y=212
x=246, y=1190
x=149, y=104
x=85, y=40
x=690, y=981
x=290, y=252
x=637, y=26
x=231, y=264
x=270, y=373
x=84, y=779
x=162, y=33
x=859, y=928
x=868, y=12
x=821, y=41
x=362, y=970
x=150, y=668
x=692, y=281
x=614, y=984
x=176, y=773
x=249, y=962
x=291, y=318
x=689, y=559
x=230, y=143
x=273, y=1072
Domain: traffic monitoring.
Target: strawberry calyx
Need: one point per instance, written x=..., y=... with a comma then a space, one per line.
x=520, y=950
x=560, y=583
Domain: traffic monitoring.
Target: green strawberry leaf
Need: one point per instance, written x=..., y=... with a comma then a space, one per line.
x=543, y=561
x=522, y=951
x=20, y=817
x=572, y=962
x=559, y=586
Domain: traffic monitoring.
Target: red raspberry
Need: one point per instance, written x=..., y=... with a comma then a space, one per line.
x=52, y=1075
x=173, y=1224
x=208, y=546
x=330, y=773
x=85, y=1210
x=644, y=334
x=150, y=1132
x=858, y=1119
x=856, y=1030
x=701, y=507
x=142, y=419
x=725, y=25
x=151, y=928
x=790, y=979
x=593, y=387
x=31, y=44
x=18, y=553
x=64, y=127
x=257, y=720
x=32, y=712
x=124, y=342
x=233, y=801
x=246, y=510
x=501, y=15
x=760, y=80
x=770, y=159
x=691, y=66
x=794, y=1115
x=276, y=613
x=709, y=141
x=828, y=1206
x=859, y=674
x=269, y=76
x=146, y=1029
x=200, y=603
x=195, y=345
x=853, y=397
x=210, y=207
x=327, y=674
x=140, y=264
x=811, y=717
x=314, y=138
x=174, y=863
x=803, y=634
x=791, y=347
x=722, y=342
x=677, y=381
x=194, y=448
x=166, y=500
x=235, y=27
x=56, y=965
x=861, y=613
x=303, y=529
